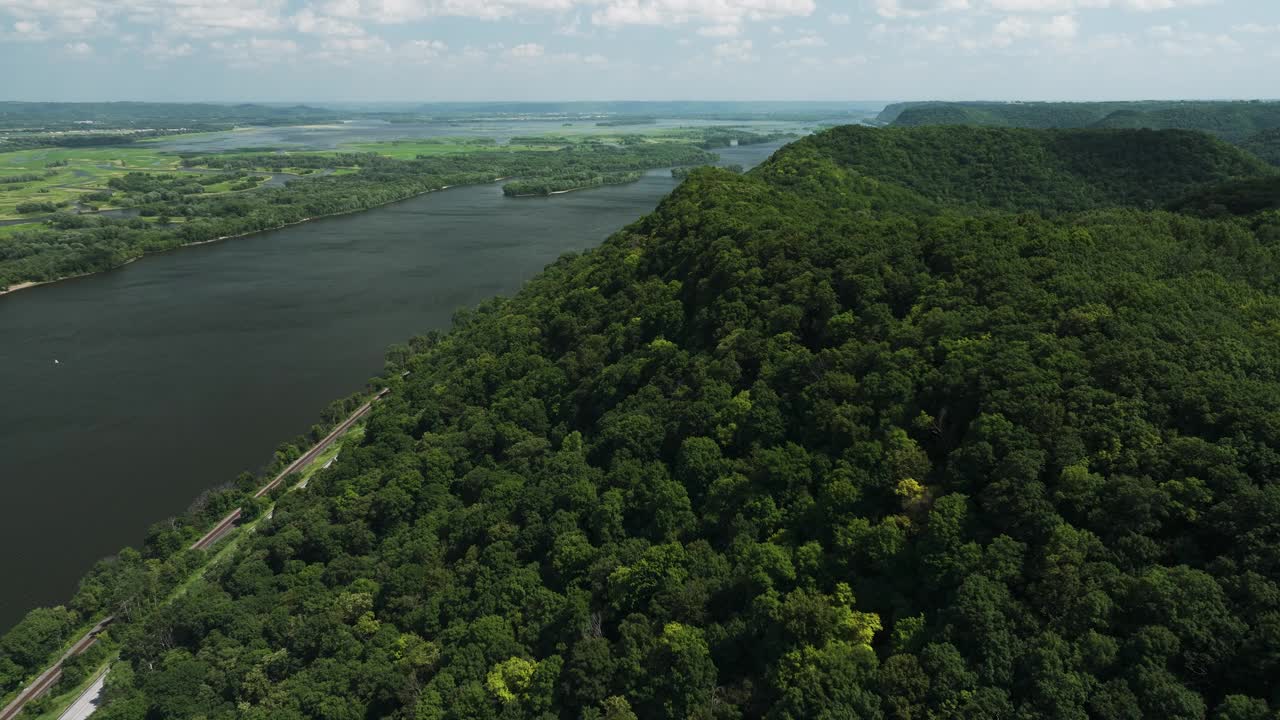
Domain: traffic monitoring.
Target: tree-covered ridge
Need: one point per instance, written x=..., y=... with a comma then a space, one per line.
x=1238, y=197
x=799, y=444
x=1231, y=120
x=1265, y=145
x=1039, y=115
x=1019, y=170
x=98, y=115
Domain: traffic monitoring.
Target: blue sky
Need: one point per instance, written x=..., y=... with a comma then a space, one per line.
x=318, y=50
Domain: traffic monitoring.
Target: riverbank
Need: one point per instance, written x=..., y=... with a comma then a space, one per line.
x=320, y=456
x=37, y=283
x=560, y=192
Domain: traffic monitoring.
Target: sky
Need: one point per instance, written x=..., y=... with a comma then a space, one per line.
x=470, y=50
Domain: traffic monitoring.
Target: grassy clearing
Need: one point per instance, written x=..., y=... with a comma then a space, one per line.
x=7, y=230
x=85, y=170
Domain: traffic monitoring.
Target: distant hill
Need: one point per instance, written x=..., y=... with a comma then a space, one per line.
x=124, y=115
x=1265, y=145
x=1236, y=197
x=1018, y=169
x=1233, y=121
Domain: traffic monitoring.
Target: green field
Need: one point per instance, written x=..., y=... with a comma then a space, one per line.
x=86, y=170
x=89, y=169
x=6, y=230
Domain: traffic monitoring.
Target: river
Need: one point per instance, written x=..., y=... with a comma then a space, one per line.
x=178, y=371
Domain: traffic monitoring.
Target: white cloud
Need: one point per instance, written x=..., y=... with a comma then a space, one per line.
x=307, y=21
x=609, y=13
x=916, y=8
x=1110, y=41
x=1196, y=44
x=1012, y=28
x=78, y=49
x=160, y=49
x=1153, y=5
x=210, y=18
x=736, y=51
x=273, y=45
x=807, y=40
x=1178, y=41
x=1061, y=27
x=255, y=52
x=1256, y=29
x=850, y=60
x=920, y=7
x=839, y=19
x=1058, y=32
x=361, y=45
x=422, y=51
x=1057, y=6
x=616, y=13
x=724, y=30
x=527, y=51
x=573, y=28
x=191, y=18
x=29, y=30
x=38, y=19
x=575, y=59
x=913, y=34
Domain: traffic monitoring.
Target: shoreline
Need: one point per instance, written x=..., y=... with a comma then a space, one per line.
x=562, y=192
x=28, y=284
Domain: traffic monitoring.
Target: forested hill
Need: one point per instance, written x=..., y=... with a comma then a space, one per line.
x=1018, y=169
x=791, y=447
x=1041, y=115
x=1247, y=124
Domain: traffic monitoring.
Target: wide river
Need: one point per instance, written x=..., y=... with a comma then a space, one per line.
x=175, y=373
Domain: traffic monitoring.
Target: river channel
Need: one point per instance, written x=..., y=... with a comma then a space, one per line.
x=125, y=394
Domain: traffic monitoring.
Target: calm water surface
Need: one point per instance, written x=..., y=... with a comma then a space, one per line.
x=178, y=371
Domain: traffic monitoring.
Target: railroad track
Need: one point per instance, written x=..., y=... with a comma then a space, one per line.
x=50, y=677
x=226, y=524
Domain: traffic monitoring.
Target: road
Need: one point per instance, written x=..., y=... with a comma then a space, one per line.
x=84, y=705
x=49, y=677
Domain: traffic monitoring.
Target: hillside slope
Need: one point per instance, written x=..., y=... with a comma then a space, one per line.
x=1265, y=145
x=799, y=444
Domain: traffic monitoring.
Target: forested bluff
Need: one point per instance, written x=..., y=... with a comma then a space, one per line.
x=908, y=423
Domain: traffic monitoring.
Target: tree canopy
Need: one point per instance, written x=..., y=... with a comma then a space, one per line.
x=836, y=438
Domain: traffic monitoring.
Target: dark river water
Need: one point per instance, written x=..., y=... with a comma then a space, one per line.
x=179, y=371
